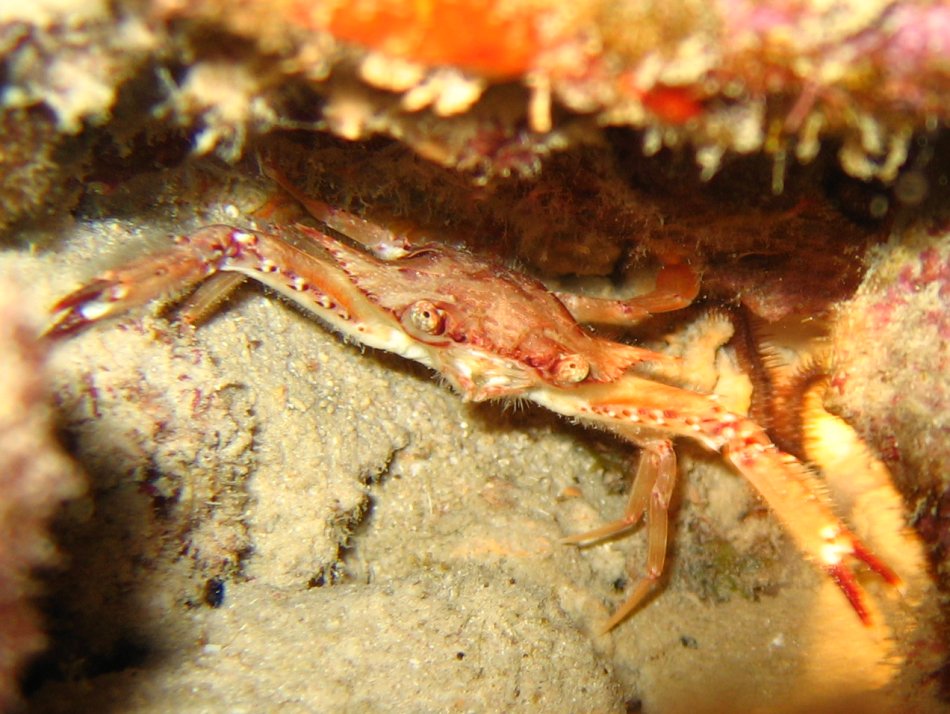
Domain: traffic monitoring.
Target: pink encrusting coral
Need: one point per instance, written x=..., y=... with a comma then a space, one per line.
x=34, y=479
x=896, y=41
x=892, y=345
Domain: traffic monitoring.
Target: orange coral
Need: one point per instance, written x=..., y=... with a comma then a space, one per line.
x=497, y=39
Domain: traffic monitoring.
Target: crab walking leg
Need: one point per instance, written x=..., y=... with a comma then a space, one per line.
x=640, y=409
x=655, y=458
x=209, y=296
x=651, y=494
x=663, y=460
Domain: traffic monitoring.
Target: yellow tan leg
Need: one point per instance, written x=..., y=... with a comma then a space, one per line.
x=651, y=493
x=662, y=458
x=647, y=472
x=198, y=306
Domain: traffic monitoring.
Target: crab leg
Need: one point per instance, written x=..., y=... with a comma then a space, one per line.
x=655, y=457
x=386, y=243
x=208, y=296
x=639, y=409
x=651, y=494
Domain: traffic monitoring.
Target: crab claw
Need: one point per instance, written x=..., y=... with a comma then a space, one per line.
x=189, y=261
x=85, y=306
x=676, y=287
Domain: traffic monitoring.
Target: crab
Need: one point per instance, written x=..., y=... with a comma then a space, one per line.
x=494, y=333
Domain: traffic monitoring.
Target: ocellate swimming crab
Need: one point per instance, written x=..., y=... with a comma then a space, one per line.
x=494, y=333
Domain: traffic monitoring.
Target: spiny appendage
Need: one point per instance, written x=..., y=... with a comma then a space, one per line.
x=166, y=273
x=797, y=498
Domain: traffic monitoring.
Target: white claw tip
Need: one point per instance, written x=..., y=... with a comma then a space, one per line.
x=94, y=310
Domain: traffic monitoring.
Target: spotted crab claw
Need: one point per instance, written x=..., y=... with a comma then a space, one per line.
x=116, y=291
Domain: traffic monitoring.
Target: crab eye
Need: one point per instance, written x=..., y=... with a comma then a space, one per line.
x=571, y=369
x=423, y=318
